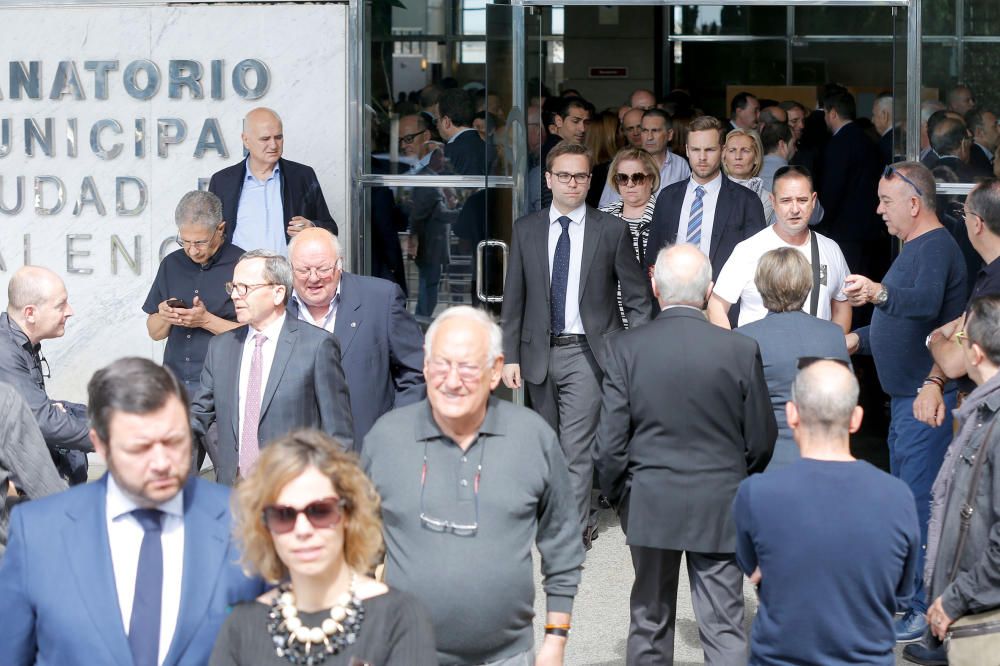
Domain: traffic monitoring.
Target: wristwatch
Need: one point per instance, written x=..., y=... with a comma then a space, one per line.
x=881, y=297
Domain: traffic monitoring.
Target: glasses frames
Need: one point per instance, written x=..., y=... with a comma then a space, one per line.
x=579, y=178
x=960, y=337
x=467, y=372
x=323, y=513
x=891, y=171
x=439, y=525
x=242, y=290
x=322, y=272
x=407, y=139
x=199, y=243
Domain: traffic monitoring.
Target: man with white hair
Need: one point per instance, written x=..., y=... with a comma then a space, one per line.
x=493, y=482
x=670, y=460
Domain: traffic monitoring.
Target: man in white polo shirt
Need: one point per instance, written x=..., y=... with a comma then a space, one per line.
x=793, y=199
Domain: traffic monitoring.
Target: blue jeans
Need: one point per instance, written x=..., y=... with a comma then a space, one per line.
x=915, y=454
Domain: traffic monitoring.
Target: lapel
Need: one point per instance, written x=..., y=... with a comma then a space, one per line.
x=286, y=196
x=88, y=554
x=206, y=541
x=539, y=237
x=723, y=209
x=592, y=230
x=675, y=212
x=282, y=352
x=349, y=313
x=231, y=365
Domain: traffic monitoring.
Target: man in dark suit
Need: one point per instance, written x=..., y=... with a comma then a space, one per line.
x=138, y=568
x=671, y=460
x=267, y=199
x=985, y=137
x=848, y=182
x=953, y=143
x=565, y=265
x=882, y=121
x=381, y=345
x=707, y=209
x=465, y=150
x=274, y=375
x=744, y=113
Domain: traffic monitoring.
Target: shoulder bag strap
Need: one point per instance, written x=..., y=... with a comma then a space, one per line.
x=967, y=507
x=814, y=296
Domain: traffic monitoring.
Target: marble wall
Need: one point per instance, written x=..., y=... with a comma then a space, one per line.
x=304, y=50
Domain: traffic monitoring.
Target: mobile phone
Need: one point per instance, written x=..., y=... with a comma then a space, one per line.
x=176, y=303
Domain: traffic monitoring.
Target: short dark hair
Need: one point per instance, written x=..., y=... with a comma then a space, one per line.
x=456, y=105
x=567, y=148
x=658, y=113
x=935, y=119
x=983, y=327
x=948, y=135
x=791, y=171
x=132, y=385
x=842, y=102
x=984, y=201
x=774, y=133
x=790, y=104
x=570, y=102
x=740, y=101
x=976, y=119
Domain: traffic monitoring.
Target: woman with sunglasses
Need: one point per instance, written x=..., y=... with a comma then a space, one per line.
x=742, y=159
x=307, y=519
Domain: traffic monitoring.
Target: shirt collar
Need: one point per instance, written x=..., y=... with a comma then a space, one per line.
x=460, y=133
x=991, y=269
x=577, y=215
x=272, y=331
x=120, y=504
x=19, y=336
x=333, y=302
x=711, y=187
x=248, y=174
x=427, y=427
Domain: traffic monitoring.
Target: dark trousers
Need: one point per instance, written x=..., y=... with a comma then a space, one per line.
x=570, y=401
x=716, y=594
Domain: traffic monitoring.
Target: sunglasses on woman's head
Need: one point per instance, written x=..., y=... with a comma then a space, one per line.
x=326, y=512
x=636, y=178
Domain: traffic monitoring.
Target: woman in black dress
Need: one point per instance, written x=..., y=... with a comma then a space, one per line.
x=308, y=519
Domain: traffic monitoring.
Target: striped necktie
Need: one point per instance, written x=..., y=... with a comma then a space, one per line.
x=694, y=219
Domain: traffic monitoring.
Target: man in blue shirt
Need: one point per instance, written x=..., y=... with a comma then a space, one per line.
x=923, y=289
x=830, y=566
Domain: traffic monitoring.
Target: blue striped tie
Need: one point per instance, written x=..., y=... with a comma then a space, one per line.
x=694, y=220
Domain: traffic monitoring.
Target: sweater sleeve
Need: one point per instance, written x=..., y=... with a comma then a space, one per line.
x=922, y=300
x=558, y=537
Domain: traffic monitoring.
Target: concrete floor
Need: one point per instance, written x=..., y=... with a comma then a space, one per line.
x=600, y=613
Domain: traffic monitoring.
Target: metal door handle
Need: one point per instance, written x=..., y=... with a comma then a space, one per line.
x=480, y=253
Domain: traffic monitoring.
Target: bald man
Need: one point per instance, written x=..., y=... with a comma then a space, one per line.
x=267, y=199
x=841, y=560
x=37, y=309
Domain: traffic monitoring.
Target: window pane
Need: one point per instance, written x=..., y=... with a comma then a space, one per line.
x=843, y=20
x=705, y=69
x=869, y=65
x=939, y=17
x=982, y=17
x=729, y=20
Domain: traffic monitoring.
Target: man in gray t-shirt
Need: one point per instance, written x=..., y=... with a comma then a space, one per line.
x=468, y=483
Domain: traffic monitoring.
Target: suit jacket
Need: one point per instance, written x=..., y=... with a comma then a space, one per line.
x=980, y=162
x=739, y=214
x=305, y=389
x=381, y=349
x=300, y=194
x=848, y=186
x=685, y=417
x=57, y=582
x=965, y=172
x=885, y=147
x=608, y=259
x=467, y=154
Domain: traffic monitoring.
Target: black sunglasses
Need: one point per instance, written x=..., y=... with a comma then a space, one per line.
x=326, y=512
x=805, y=361
x=891, y=171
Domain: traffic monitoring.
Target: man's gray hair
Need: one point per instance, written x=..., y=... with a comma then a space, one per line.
x=825, y=406
x=481, y=317
x=203, y=209
x=277, y=270
x=681, y=277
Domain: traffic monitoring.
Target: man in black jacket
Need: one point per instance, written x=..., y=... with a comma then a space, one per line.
x=670, y=459
x=267, y=199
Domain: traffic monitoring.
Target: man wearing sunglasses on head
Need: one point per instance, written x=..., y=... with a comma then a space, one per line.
x=924, y=289
x=271, y=376
x=137, y=568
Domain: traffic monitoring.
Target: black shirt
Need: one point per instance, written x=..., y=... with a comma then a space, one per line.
x=179, y=277
x=987, y=282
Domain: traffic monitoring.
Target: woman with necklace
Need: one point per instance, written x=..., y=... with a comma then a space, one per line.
x=307, y=518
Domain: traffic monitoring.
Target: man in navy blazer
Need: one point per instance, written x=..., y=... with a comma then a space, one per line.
x=266, y=199
x=715, y=219
x=381, y=345
x=137, y=569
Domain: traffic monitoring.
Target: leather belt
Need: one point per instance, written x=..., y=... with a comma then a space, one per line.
x=569, y=339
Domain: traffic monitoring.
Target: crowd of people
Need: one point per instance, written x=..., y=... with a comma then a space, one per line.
x=683, y=307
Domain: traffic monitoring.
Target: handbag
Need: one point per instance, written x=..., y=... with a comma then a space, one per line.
x=974, y=639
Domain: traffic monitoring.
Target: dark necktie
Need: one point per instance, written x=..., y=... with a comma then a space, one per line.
x=560, y=278
x=144, y=627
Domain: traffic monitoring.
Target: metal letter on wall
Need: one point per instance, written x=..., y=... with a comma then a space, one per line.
x=18, y=197
x=5, y=142
x=95, y=138
x=164, y=138
x=34, y=134
x=89, y=195
x=240, y=74
x=40, y=208
x=120, y=183
x=66, y=82
x=118, y=247
x=152, y=79
x=100, y=68
x=72, y=253
x=71, y=145
x=185, y=74
x=211, y=137
x=25, y=80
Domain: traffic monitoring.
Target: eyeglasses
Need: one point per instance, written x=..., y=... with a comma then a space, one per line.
x=323, y=513
x=637, y=178
x=960, y=337
x=198, y=243
x=243, y=289
x=965, y=213
x=580, y=178
x=467, y=372
x=805, y=361
x=322, y=272
x=438, y=525
x=407, y=139
x=891, y=171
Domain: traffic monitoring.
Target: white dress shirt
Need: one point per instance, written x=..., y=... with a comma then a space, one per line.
x=574, y=325
x=266, y=357
x=125, y=539
x=708, y=203
x=328, y=320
